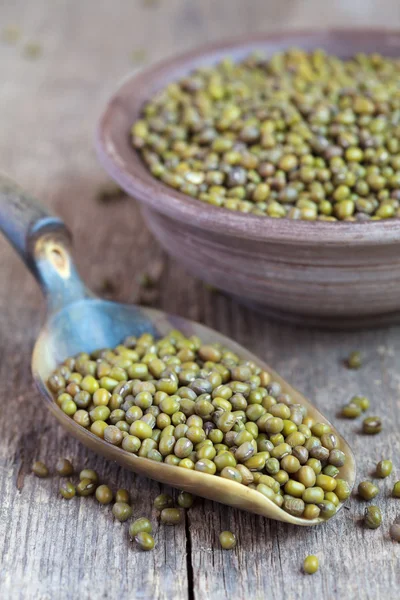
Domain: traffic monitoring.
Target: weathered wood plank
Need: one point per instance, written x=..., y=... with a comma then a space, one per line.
x=52, y=548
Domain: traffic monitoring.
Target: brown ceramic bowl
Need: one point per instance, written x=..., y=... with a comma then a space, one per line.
x=331, y=274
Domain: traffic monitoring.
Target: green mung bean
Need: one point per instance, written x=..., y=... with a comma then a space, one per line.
x=67, y=490
x=384, y=468
x=141, y=524
x=227, y=539
x=163, y=501
x=103, y=494
x=311, y=564
x=354, y=360
x=86, y=487
x=144, y=540
x=367, y=490
x=170, y=516
x=40, y=469
x=372, y=517
x=396, y=490
x=64, y=467
x=372, y=425
x=122, y=511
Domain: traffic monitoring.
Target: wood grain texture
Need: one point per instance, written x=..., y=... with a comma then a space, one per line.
x=50, y=548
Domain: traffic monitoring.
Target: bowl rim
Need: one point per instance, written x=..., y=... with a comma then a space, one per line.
x=137, y=181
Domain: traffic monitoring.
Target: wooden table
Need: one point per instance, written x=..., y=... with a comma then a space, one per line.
x=50, y=548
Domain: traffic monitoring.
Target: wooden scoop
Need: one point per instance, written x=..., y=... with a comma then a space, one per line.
x=77, y=321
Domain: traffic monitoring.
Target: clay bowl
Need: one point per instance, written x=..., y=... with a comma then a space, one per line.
x=338, y=275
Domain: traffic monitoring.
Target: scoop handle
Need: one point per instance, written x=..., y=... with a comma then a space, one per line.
x=43, y=242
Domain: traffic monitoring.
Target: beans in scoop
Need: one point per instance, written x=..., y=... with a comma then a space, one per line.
x=199, y=406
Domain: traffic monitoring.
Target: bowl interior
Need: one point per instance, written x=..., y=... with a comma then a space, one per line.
x=124, y=164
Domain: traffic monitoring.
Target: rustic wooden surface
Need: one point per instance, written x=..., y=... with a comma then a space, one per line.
x=50, y=548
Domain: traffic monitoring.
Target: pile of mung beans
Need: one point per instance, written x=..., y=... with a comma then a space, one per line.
x=200, y=406
x=302, y=135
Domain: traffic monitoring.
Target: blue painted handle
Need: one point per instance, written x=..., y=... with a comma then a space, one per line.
x=43, y=242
